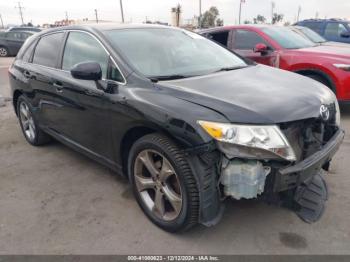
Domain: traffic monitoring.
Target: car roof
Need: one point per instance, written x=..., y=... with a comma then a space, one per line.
x=325, y=20
x=106, y=27
x=229, y=27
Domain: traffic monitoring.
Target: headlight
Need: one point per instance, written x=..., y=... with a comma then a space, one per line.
x=269, y=138
x=344, y=67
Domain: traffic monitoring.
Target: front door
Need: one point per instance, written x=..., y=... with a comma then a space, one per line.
x=244, y=42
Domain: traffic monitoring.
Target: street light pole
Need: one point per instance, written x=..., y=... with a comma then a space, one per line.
x=299, y=10
x=121, y=10
x=240, y=11
x=272, y=9
x=2, y=23
x=20, y=8
x=200, y=14
x=96, y=16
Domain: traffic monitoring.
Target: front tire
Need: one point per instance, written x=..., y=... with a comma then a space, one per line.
x=163, y=183
x=31, y=131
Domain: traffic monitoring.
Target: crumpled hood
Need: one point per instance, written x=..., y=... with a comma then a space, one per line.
x=254, y=95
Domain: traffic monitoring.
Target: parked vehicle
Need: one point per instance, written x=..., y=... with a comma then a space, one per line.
x=281, y=47
x=336, y=30
x=24, y=28
x=11, y=42
x=315, y=37
x=187, y=121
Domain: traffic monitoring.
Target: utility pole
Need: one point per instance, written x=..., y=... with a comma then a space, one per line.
x=20, y=8
x=67, y=18
x=96, y=15
x=299, y=11
x=2, y=22
x=200, y=14
x=121, y=10
x=240, y=10
x=273, y=5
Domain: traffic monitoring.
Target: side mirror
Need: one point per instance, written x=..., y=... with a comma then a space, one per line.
x=261, y=48
x=87, y=71
x=345, y=34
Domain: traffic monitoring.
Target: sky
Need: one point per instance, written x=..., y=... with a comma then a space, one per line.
x=136, y=11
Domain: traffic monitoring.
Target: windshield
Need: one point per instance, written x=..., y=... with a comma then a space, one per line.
x=162, y=52
x=312, y=35
x=287, y=38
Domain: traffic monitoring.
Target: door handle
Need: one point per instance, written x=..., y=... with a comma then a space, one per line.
x=59, y=86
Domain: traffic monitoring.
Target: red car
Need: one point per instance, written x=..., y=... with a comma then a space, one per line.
x=283, y=48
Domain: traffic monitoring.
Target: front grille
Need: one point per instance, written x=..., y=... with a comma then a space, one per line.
x=308, y=136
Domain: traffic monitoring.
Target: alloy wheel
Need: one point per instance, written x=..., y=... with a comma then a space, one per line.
x=27, y=121
x=158, y=185
x=3, y=51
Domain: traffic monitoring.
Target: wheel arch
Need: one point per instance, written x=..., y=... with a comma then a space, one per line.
x=16, y=95
x=135, y=133
x=318, y=72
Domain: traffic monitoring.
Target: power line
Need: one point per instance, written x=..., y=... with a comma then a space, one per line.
x=20, y=8
x=96, y=15
x=121, y=10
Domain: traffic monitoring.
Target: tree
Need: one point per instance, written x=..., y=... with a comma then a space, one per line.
x=219, y=22
x=209, y=17
x=260, y=19
x=287, y=23
x=247, y=22
x=277, y=18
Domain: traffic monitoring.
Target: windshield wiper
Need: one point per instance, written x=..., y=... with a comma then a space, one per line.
x=167, y=77
x=229, y=68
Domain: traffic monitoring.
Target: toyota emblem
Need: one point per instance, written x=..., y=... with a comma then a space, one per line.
x=324, y=112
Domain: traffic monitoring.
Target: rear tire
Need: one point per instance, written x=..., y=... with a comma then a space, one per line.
x=29, y=125
x=163, y=183
x=4, y=51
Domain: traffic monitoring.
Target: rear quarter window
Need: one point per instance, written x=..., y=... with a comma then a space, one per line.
x=47, y=50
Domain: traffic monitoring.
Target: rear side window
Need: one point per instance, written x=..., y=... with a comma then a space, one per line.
x=14, y=35
x=247, y=40
x=316, y=26
x=28, y=52
x=47, y=50
x=334, y=30
x=220, y=37
x=82, y=47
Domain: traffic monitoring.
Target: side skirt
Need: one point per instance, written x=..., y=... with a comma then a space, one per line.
x=87, y=152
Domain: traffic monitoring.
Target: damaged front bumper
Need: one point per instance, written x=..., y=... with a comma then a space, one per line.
x=300, y=187
x=293, y=176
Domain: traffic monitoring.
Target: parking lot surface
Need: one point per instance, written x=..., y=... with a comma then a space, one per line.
x=56, y=201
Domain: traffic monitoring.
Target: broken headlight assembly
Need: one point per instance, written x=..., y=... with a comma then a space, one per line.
x=259, y=141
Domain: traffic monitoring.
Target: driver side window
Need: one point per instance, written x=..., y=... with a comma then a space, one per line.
x=82, y=47
x=247, y=40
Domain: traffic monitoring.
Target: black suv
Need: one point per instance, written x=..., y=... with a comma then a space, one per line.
x=187, y=121
x=11, y=42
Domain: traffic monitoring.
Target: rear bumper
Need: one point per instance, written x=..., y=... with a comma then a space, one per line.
x=293, y=176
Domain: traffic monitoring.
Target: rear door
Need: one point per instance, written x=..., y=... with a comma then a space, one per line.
x=244, y=42
x=337, y=32
x=14, y=41
x=41, y=71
